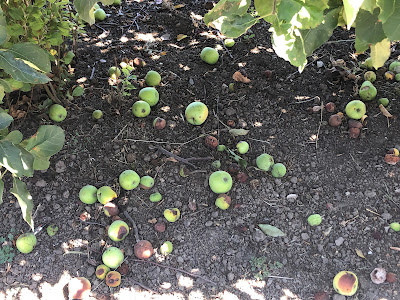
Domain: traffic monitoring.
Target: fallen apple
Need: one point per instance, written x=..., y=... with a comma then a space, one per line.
x=99, y=14
x=355, y=124
x=57, y=113
x=166, y=248
x=355, y=109
x=143, y=249
x=110, y=209
x=335, y=120
x=146, y=182
x=384, y=101
x=209, y=55
x=216, y=165
x=368, y=63
x=155, y=197
x=117, y=2
x=264, y=162
x=211, y=142
x=242, y=147
x=345, y=283
x=389, y=75
x=141, y=109
x=79, y=288
x=367, y=91
x=196, y=113
x=88, y=194
x=152, y=78
x=52, y=229
x=159, y=123
x=172, y=214
x=220, y=182
x=370, y=76
x=97, y=114
x=96, y=6
x=397, y=77
x=105, y=194
x=150, y=95
x=101, y=271
x=113, y=279
x=278, y=170
x=113, y=257
x=229, y=43
x=26, y=242
x=114, y=72
x=314, y=220
x=354, y=132
x=221, y=148
x=129, y=180
x=223, y=201
x=395, y=226
x=330, y=107
x=160, y=227
x=118, y=230
x=393, y=65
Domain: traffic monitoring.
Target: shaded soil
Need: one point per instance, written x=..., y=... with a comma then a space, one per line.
x=345, y=180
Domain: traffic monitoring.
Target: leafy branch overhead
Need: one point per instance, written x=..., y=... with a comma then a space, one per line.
x=300, y=27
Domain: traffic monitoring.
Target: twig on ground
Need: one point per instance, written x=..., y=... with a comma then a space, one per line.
x=304, y=101
x=279, y=277
x=178, y=158
x=142, y=285
x=136, y=231
x=120, y=132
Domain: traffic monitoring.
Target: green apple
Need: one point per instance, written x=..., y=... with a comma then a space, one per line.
x=114, y=72
x=393, y=65
x=152, y=78
x=101, y=271
x=384, y=101
x=368, y=63
x=216, y=164
x=242, y=147
x=117, y=2
x=355, y=109
x=397, y=77
x=395, y=226
x=370, y=76
x=52, y=229
x=88, y=194
x=96, y=6
x=99, y=14
x=221, y=148
x=396, y=70
x=129, y=180
x=196, y=113
x=209, y=55
x=172, y=214
x=57, y=113
x=367, y=91
x=26, y=242
x=97, y=114
x=146, y=182
x=141, y=109
x=105, y=194
x=229, y=42
x=113, y=257
x=155, y=197
x=278, y=170
x=264, y=162
x=166, y=248
x=220, y=182
x=314, y=220
x=150, y=95
x=118, y=230
x=223, y=201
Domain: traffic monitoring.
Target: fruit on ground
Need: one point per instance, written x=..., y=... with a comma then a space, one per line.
x=143, y=249
x=229, y=43
x=26, y=242
x=242, y=147
x=79, y=288
x=57, y=113
x=166, y=248
x=354, y=132
x=368, y=63
x=118, y=230
x=395, y=226
x=160, y=227
x=223, y=201
x=393, y=65
x=211, y=141
x=110, y=209
x=389, y=75
x=99, y=14
x=159, y=123
x=113, y=257
x=172, y=214
x=355, y=124
x=220, y=182
x=345, y=283
x=209, y=55
x=146, y=182
x=397, y=77
x=221, y=148
x=97, y=114
x=335, y=120
x=88, y=194
x=314, y=220
x=141, y=109
x=216, y=165
x=330, y=107
x=196, y=113
x=101, y=271
x=150, y=95
x=105, y=194
x=114, y=72
x=367, y=91
x=370, y=76
x=129, y=180
x=384, y=101
x=52, y=229
x=264, y=162
x=152, y=78
x=155, y=197
x=278, y=170
x=113, y=279
x=355, y=109
x=117, y=2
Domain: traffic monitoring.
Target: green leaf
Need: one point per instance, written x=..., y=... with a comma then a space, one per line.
x=5, y=120
x=360, y=46
x=380, y=53
x=19, y=70
x=32, y=53
x=3, y=28
x=387, y=9
x=85, y=10
x=27, y=160
x=24, y=198
x=2, y=94
x=265, y=8
x=14, y=137
x=392, y=24
x=10, y=158
x=271, y=230
x=47, y=141
x=69, y=57
x=238, y=132
x=369, y=5
x=368, y=27
x=78, y=91
x=16, y=13
x=7, y=87
x=1, y=190
x=41, y=163
x=351, y=8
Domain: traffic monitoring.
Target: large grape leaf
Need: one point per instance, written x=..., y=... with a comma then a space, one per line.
x=351, y=8
x=265, y=8
x=5, y=120
x=7, y=87
x=369, y=5
x=360, y=46
x=24, y=198
x=19, y=70
x=32, y=53
x=368, y=27
x=85, y=9
x=14, y=137
x=3, y=27
x=380, y=52
x=41, y=163
x=27, y=160
x=387, y=9
x=392, y=24
x=47, y=141
x=10, y=158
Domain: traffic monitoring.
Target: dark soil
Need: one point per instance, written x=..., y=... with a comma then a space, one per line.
x=345, y=180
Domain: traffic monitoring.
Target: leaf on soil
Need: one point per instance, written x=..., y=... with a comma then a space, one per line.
x=171, y=159
x=179, y=6
x=271, y=230
x=180, y=37
x=385, y=112
x=237, y=76
x=24, y=198
x=237, y=132
x=152, y=221
x=359, y=253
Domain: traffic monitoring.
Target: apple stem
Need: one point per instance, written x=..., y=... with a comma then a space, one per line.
x=135, y=229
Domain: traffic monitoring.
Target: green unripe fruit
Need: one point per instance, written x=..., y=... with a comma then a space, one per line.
x=242, y=147
x=26, y=242
x=264, y=162
x=384, y=101
x=209, y=55
x=57, y=113
x=355, y=109
x=166, y=248
x=114, y=72
x=397, y=77
x=278, y=170
x=221, y=148
x=105, y=194
x=368, y=63
x=141, y=109
x=152, y=78
x=97, y=114
x=196, y=113
x=118, y=230
x=229, y=43
x=129, y=180
x=367, y=91
x=172, y=214
x=395, y=226
x=393, y=65
x=370, y=76
x=146, y=182
x=220, y=182
x=216, y=165
x=155, y=197
x=150, y=95
x=99, y=14
x=314, y=220
x=113, y=257
x=88, y=194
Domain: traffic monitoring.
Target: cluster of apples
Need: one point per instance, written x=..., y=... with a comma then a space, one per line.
x=266, y=163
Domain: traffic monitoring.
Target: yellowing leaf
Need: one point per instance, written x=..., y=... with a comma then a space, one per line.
x=380, y=52
x=163, y=53
x=180, y=37
x=385, y=112
x=237, y=132
x=237, y=76
x=179, y=6
x=359, y=253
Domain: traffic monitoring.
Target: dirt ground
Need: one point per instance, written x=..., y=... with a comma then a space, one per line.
x=345, y=180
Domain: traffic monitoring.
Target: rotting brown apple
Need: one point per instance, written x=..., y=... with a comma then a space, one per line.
x=143, y=249
x=79, y=288
x=335, y=120
x=354, y=132
x=113, y=279
x=110, y=209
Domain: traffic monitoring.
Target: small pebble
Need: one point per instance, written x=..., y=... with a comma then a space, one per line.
x=339, y=241
x=305, y=236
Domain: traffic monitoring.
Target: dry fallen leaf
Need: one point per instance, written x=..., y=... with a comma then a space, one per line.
x=171, y=159
x=180, y=37
x=152, y=221
x=359, y=253
x=237, y=76
x=179, y=6
x=238, y=132
x=385, y=112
